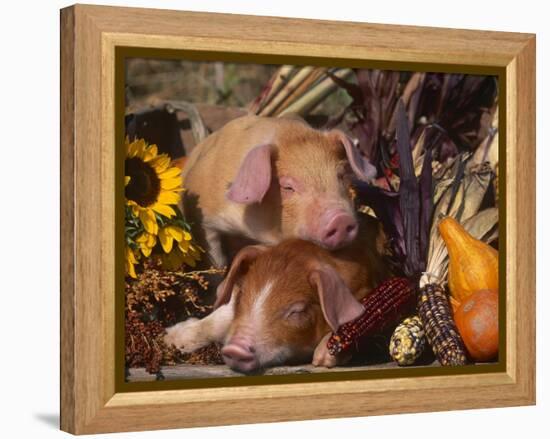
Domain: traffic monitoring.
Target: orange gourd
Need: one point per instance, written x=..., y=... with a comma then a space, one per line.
x=477, y=322
x=473, y=265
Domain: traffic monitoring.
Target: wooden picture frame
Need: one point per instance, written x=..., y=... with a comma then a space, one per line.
x=90, y=38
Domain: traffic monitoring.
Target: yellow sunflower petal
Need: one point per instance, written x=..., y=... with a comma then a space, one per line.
x=149, y=221
x=170, y=183
x=131, y=270
x=176, y=232
x=146, y=250
x=146, y=243
x=168, y=197
x=170, y=173
x=130, y=256
x=131, y=149
x=160, y=163
x=187, y=236
x=184, y=246
x=127, y=180
x=163, y=209
x=151, y=240
x=150, y=153
x=140, y=148
x=136, y=209
x=166, y=240
x=142, y=238
x=136, y=148
x=131, y=260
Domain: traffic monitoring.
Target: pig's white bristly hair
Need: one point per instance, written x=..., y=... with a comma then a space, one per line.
x=257, y=308
x=265, y=353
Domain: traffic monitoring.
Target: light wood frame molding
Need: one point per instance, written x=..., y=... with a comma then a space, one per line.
x=89, y=36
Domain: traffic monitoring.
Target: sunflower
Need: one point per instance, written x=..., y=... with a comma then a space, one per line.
x=183, y=252
x=152, y=186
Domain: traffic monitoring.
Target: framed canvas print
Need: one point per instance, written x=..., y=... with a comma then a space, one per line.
x=272, y=219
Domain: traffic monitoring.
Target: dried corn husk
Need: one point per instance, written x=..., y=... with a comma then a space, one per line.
x=487, y=151
x=279, y=79
x=315, y=95
x=461, y=196
x=290, y=87
x=306, y=84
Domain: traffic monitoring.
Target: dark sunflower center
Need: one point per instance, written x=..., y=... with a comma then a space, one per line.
x=144, y=185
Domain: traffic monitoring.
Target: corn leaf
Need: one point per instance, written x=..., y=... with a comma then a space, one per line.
x=426, y=206
x=409, y=200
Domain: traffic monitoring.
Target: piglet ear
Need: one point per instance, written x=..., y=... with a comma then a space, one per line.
x=238, y=268
x=362, y=168
x=253, y=178
x=337, y=302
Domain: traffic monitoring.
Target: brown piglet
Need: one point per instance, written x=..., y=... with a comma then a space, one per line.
x=278, y=305
x=265, y=179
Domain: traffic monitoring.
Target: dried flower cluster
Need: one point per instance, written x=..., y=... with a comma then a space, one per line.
x=144, y=345
x=210, y=354
x=157, y=299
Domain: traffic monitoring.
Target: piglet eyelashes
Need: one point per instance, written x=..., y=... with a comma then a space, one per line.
x=296, y=308
x=288, y=184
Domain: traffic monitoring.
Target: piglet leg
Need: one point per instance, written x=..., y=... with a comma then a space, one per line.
x=322, y=357
x=193, y=334
x=214, y=244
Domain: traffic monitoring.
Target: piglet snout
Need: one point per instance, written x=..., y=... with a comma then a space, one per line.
x=340, y=228
x=240, y=355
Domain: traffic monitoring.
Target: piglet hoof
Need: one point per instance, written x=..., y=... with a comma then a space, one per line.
x=185, y=336
x=323, y=358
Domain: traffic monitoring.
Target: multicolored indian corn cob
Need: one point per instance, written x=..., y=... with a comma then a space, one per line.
x=435, y=312
x=385, y=306
x=408, y=341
